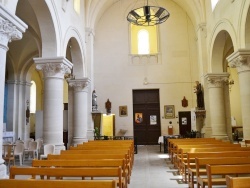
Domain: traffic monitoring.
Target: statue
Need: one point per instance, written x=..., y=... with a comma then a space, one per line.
x=108, y=106
x=199, y=94
x=94, y=101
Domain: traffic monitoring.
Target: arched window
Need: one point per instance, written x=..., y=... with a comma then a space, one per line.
x=143, y=40
x=77, y=6
x=33, y=97
x=214, y=3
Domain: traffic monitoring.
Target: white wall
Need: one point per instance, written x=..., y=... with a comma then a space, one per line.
x=116, y=77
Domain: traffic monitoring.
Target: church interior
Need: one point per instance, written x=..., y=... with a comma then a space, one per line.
x=73, y=71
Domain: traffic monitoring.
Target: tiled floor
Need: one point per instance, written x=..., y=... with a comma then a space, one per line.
x=152, y=169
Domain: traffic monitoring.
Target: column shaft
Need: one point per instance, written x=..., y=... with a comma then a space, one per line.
x=53, y=72
x=217, y=104
x=241, y=60
x=80, y=109
x=11, y=29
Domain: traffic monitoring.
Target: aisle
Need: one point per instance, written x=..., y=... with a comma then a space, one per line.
x=152, y=170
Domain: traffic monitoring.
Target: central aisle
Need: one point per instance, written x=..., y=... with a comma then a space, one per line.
x=152, y=169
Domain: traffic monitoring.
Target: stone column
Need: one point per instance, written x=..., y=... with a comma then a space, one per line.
x=53, y=70
x=241, y=60
x=80, y=109
x=217, y=104
x=89, y=38
x=11, y=28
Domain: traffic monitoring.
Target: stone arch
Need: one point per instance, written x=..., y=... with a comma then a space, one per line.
x=223, y=35
x=244, y=29
x=74, y=52
x=47, y=26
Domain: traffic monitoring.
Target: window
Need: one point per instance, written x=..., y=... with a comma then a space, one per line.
x=33, y=97
x=214, y=3
x=143, y=40
x=77, y=6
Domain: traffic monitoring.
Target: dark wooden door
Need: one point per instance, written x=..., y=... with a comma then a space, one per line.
x=146, y=116
x=184, y=123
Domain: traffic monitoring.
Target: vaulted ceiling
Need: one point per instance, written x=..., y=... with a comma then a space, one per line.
x=195, y=9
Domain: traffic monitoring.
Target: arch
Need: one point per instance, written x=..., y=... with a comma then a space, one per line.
x=222, y=32
x=73, y=49
x=48, y=27
x=244, y=29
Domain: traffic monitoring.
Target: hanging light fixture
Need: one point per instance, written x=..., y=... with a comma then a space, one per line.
x=148, y=15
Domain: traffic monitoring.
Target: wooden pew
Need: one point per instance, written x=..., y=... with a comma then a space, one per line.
x=201, y=163
x=94, y=156
x=108, y=172
x=223, y=170
x=13, y=183
x=84, y=163
x=191, y=158
x=172, y=142
x=237, y=182
x=184, y=149
x=102, y=151
x=190, y=144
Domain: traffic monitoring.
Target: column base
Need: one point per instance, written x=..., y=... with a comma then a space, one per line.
x=221, y=137
x=77, y=140
x=90, y=134
x=58, y=148
x=207, y=131
x=3, y=172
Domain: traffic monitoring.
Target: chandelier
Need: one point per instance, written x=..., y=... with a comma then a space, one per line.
x=148, y=15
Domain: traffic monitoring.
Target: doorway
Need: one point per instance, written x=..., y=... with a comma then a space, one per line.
x=146, y=116
x=184, y=123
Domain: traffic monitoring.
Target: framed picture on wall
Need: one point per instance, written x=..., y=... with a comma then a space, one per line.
x=138, y=118
x=123, y=111
x=169, y=111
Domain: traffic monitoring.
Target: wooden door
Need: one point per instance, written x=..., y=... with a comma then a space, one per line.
x=146, y=116
x=184, y=123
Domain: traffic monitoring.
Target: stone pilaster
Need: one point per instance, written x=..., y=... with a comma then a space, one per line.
x=80, y=120
x=11, y=28
x=217, y=110
x=53, y=70
x=241, y=60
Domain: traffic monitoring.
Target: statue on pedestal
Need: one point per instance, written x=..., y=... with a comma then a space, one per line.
x=199, y=94
x=108, y=106
x=94, y=101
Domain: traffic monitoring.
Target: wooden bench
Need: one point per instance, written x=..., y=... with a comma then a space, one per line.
x=189, y=144
x=14, y=183
x=201, y=163
x=85, y=163
x=107, y=172
x=237, y=182
x=191, y=158
x=182, y=151
x=102, y=151
x=173, y=142
x=93, y=156
x=222, y=170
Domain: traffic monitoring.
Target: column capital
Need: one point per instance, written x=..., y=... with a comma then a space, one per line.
x=217, y=80
x=11, y=27
x=53, y=67
x=240, y=60
x=79, y=84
